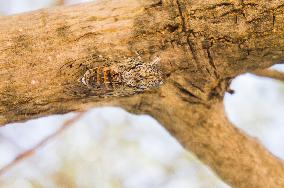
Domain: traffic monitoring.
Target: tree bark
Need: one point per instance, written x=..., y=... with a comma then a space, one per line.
x=241, y=161
x=172, y=59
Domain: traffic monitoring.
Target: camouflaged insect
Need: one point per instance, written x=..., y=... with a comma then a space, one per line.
x=105, y=77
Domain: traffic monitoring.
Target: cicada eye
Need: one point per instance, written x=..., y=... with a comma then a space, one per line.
x=86, y=78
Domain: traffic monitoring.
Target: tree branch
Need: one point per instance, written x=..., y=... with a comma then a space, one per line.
x=68, y=58
x=239, y=160
x=274, y=74
x=133, y=54
x=60, y=2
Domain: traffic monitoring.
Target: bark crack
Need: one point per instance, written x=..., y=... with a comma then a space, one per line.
x=188, y=95
x=184, y=28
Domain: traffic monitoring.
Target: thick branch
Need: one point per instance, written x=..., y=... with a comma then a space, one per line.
x=133, y=54
x=46, y=56
x=239, y=160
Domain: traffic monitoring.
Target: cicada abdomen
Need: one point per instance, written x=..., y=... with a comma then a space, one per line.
x=103, y=78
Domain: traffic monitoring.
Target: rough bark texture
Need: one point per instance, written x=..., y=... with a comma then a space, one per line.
x=172, y=59
x=205, y=131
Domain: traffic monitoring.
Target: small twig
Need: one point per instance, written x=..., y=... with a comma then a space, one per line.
x=274, y=74
x=60, y=2
x=17, y=146
x=24, y=155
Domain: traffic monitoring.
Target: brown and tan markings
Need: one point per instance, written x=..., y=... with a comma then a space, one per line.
x=99, y=76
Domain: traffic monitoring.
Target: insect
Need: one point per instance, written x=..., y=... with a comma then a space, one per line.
x=102, y=77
